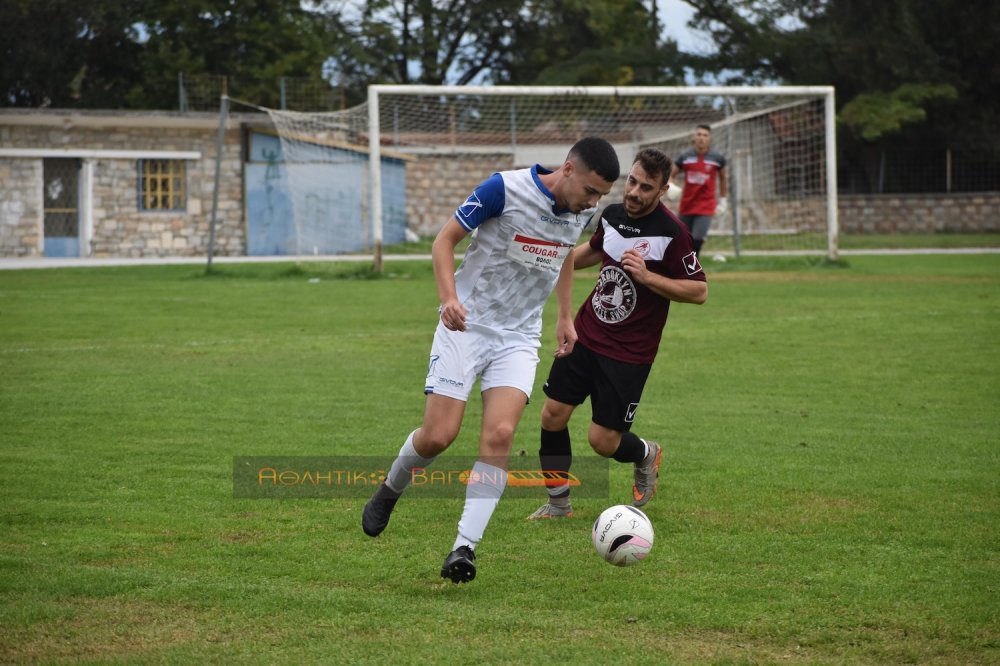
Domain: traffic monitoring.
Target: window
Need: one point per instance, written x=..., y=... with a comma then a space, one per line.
x=162, y=185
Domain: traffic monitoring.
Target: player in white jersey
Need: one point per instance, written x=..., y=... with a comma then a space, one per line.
x=524, y=223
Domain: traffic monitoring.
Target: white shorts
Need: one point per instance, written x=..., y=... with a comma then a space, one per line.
x=496, y=358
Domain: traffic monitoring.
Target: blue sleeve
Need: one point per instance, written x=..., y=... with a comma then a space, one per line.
x=486, y=201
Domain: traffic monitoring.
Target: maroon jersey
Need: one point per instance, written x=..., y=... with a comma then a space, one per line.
x=621, y=318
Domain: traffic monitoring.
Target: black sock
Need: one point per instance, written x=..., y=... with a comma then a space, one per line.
x=630, y=450
x=556, y=456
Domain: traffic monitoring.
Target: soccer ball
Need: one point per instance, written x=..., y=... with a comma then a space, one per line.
x=622, y=535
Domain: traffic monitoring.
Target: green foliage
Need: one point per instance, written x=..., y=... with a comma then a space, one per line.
x=256, y=42
x=864, y=49
x=872, y=115
x=590, y=42
x=105, y=54
x=57, y=53
x=570, y=42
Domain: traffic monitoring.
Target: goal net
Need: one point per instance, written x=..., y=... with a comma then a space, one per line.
x=402, y=162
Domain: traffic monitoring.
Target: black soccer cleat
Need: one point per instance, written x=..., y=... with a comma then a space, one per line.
x=375, y=515
x=458, y=566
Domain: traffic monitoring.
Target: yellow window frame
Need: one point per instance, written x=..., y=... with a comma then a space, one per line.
x=162, y=184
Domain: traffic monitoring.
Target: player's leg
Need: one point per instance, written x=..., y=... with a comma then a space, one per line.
x=566, y=387
x=449, y=378
x=615, y=401
x=502, y=409
x=506, y=387
x=555, y=455
x=700, y=225
x=442, y=422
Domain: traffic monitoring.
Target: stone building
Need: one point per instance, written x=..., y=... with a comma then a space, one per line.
x=141, y=184
x=114, y=184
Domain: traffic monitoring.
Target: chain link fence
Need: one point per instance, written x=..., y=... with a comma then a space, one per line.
x=202, y=93
x=919, y=171
x=881, y=171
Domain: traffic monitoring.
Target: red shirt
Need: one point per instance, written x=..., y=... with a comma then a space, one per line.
x=700, y=172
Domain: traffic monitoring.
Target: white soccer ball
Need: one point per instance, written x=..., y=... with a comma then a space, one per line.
x=622, y=535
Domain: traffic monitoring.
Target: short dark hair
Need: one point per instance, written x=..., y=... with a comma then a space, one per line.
x=707, y=128
x=596, y=154
x=654, y=162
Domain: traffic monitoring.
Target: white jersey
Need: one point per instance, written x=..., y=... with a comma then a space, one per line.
x=519, y=242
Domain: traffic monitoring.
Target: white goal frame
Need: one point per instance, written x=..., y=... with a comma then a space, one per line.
x=375, y=136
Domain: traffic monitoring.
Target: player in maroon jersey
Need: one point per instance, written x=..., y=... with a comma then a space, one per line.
x=702, y=167
x=647, y=260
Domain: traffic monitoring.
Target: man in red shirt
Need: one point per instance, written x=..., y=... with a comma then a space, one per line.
x=702, y=166
x=647, y=260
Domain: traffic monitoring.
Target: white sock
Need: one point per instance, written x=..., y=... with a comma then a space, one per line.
x=481, y=497
x=401, y=472
x=555, y=492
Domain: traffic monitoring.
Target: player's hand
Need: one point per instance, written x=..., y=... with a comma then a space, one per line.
x=722, y=206
x=565, y=337
x=673, y=192
x=453, y=315
x=635, y=265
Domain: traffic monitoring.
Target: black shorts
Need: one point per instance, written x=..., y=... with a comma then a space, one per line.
x=614, y=387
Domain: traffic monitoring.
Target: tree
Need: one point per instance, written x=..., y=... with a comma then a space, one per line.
x=128, y=53
x=908, y=74
x=590, y=42
x=252, y=43
x=417, y=41
x=573, y=42
x=866, y=48
x=56, y=53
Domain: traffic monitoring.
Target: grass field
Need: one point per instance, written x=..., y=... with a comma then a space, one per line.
x=848, y=242
x=830, y=494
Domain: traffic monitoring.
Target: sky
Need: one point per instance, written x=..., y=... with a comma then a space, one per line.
x=674, y=16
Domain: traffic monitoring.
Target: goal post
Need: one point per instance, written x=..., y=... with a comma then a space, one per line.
x=780, y=143
x=365, y=178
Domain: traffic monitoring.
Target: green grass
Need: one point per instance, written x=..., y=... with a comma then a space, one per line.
x=831, y=490
x=915, y=241
x=918, y=241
